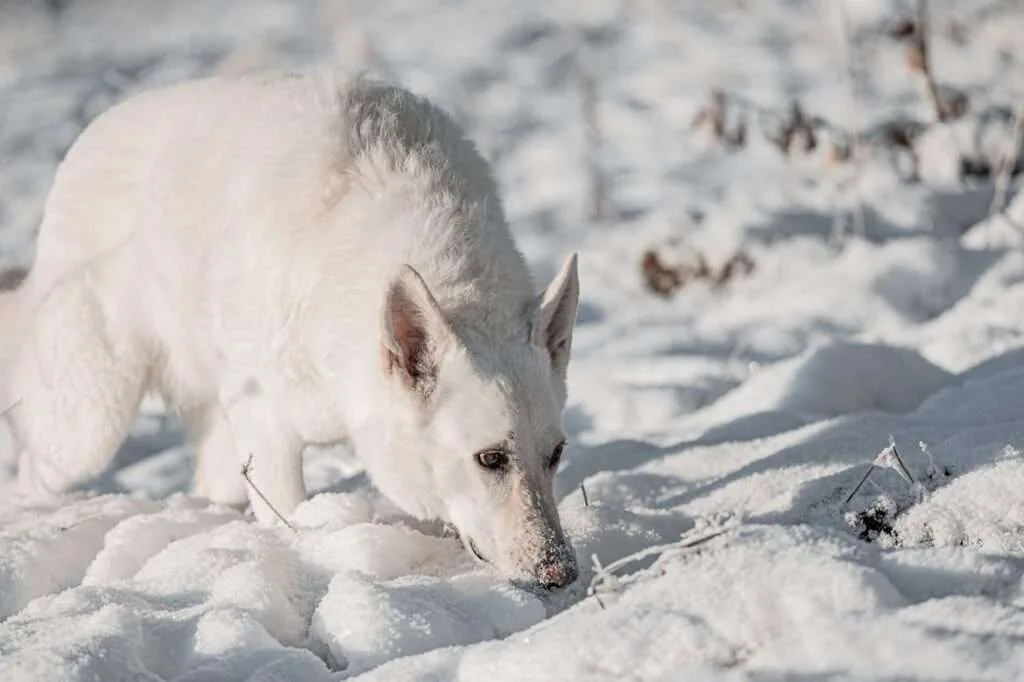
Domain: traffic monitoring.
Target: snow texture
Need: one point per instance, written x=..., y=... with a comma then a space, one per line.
x=725, y=425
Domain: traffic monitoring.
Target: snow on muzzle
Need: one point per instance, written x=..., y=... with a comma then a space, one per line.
x=537, y=545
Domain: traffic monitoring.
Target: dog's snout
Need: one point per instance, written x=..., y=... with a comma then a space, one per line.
x=557, y=574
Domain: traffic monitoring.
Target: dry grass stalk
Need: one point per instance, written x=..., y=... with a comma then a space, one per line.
x=599, y=202
x=888, y=457
x=605, y=575
x=919, y=59
x=712, y=116
x=246, y=470
x=796, y=134
x=1007, y=166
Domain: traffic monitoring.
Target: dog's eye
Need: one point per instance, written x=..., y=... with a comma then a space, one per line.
x=491, y=459
x=556, y=456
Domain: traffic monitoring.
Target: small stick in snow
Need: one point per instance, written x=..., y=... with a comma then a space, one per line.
x=1008, y=164
x=600, y=204
x=921, y=60
x=246, y=468
x=586, y=501
x=592, y=589
x=933, y=468
x=603, y=573
x=860, y=485
x=854, y=136
x=889, y=457
x=902, y=470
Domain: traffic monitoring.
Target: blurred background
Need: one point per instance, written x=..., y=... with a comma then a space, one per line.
x=587, y=109
x=743, y=179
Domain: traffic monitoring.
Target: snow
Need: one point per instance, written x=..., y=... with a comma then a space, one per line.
x=725, y=426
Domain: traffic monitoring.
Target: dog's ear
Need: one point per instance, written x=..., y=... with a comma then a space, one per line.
x=412, y=330
x=556, y=314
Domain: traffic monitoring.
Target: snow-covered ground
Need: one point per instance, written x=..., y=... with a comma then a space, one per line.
x=725, y=425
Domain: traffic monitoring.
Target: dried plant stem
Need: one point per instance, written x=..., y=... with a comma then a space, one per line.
x=605, y=573
x=889, y=451
x=924, y=55
x=860, y=484
x=903, y=470
x=246, y=469
x=853, y=135
x=1008, y=164
x=600, y=205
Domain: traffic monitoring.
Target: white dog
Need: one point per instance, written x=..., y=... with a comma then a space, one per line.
x=297, y=259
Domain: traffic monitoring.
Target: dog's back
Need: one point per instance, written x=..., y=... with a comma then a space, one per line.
x=188, y=204
x=192, y=231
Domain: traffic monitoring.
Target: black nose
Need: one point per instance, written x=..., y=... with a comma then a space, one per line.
x=559, y=574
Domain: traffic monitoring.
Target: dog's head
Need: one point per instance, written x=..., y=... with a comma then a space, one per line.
x=484, y=418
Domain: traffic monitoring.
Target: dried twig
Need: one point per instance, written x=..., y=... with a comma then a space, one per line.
x=1007, y=164
x=892, y=454
x=586, y=500
x=740, y=263
x=713, y=116
x=764, y=115
x=851, y=151
x=889, y=457
x=246, y=468
x=600, y=205
x=933, y=471
x=606, y=574
x=860, y=484
x=920, y=61
x=796, y=133
x=598, y=570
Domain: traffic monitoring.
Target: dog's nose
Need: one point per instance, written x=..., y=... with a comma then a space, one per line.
x=556, y=575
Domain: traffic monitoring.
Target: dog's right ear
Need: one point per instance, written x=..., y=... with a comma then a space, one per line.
x=556, y=315
x=413, y=329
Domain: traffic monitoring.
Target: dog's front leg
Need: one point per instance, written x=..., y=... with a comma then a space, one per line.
x=271, y=453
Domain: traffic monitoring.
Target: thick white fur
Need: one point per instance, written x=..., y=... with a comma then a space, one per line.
x=234, y=244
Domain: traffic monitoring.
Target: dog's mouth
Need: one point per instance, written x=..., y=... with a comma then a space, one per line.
x=467, y=542
x=475, y=551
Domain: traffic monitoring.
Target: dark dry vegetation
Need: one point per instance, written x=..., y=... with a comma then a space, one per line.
x=731, y=121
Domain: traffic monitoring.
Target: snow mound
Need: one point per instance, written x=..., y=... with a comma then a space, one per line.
x=43, y=553
x=771, y=600
x=831, y=380
x=113, y=586
x=363, y=623
x=982, y=509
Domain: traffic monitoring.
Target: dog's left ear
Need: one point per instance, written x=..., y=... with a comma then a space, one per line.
x=413, y=330
x=556, y=315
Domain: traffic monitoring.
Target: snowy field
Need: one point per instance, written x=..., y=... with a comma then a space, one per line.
x=828, y=281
